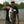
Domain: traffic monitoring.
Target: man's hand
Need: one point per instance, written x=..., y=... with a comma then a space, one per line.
x=8, y=7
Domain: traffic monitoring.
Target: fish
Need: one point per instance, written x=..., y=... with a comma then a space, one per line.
x=11, y=14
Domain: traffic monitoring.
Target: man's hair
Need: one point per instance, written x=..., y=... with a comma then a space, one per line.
x=12, y=2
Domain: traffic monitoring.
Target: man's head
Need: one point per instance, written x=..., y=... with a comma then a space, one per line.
x=12, y=3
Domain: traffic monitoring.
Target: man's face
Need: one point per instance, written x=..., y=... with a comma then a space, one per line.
x=12, y=4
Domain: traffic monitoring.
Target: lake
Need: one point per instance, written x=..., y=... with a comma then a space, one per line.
x=21, y=14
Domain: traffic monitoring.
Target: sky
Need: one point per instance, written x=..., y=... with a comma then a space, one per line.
x=16, y=1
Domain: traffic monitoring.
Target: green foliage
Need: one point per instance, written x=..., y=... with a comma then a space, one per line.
x=17, y=5
x=21, y=6
x=1, y=6
x=5, y=3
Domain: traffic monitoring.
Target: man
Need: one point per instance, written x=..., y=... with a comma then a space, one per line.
x=15, y=9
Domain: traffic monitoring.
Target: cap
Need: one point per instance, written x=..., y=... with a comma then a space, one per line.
x=12, y=2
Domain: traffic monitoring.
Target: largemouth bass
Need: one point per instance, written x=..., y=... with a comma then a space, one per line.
x=11, y=14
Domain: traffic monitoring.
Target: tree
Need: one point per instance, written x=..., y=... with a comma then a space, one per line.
x=1, y=5
x=5, y=3
x=17, y=5
x=22, y=5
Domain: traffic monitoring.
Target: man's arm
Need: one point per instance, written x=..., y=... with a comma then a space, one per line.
x=18, y=18
x=6, y=7
x=17, y=15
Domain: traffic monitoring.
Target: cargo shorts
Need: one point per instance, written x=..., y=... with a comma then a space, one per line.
x=13, y=21
x=7, y=22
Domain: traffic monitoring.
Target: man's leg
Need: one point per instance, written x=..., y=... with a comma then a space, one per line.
x=6, y=22
x=13, y=21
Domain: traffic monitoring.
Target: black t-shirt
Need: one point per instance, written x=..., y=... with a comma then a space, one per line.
x=15, y=9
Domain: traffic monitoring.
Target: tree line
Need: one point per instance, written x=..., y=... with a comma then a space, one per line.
x=20, y=6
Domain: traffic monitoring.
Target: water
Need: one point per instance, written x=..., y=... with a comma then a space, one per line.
x=21, y=14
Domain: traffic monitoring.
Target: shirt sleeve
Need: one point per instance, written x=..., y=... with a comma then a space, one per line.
x=17, y=10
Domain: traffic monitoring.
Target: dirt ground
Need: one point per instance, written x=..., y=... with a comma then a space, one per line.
x=3, y=22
